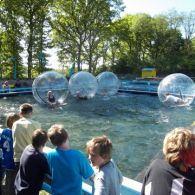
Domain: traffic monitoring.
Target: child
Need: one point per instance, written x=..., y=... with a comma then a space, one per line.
x=22, y=131
x=1, y=170
x=6, y=87
x=51, y=100
x=33, y=166
x=6, y=145
x=51, y=97
x=68, y=166
x=6, y=141
x=173, y=174
x=108, y=179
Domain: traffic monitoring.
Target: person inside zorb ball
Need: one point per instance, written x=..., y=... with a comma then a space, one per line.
x=83, y=85
x=176, y=90
x=50, y=88
x=108, y=84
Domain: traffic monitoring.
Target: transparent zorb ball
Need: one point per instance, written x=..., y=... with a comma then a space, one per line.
x=50, y=82
x=108, y=84
x=83, y=85
x=176, y=90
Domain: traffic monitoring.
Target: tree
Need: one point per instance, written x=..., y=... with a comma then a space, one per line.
x=79, y=28
x=99, y=28
x=188, y=26
x=134, y=37
x=31, y=14
x=147, y=41
x=10, y=36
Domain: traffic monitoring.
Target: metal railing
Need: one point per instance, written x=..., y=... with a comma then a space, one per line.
x=129, y=186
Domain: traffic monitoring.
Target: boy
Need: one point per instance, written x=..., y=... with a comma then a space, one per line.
x=173, y=175
x=22, y=131
x=33, y=166
x=6, y=141
x=6, y=144
x=68, y=166
x=108, y=178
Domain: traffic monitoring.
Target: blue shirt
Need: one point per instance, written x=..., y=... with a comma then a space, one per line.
x=6, y=144
x=68, y=167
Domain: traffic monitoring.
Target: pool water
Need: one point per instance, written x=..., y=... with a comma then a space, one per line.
x=136, y=124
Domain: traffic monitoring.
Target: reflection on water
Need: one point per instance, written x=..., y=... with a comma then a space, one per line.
x=136, y=124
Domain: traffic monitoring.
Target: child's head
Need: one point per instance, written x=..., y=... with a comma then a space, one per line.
x=179, y=147
x=11, y=118
x=39, y=138
x=58, y=135
x=99, y=150
x=49, y=93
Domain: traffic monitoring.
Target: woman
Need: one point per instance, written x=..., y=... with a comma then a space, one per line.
x=173, y=174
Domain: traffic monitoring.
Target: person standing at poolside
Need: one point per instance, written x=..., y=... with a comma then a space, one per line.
x=1, y=170
x=173, y=175
x=17, y=84
x=67, y=166
x=6, y=86
x=6, y=144
x=108, y=178
x=33, y=166
x=22, y=131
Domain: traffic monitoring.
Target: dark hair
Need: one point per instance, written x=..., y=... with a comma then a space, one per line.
x=39, y=138
x=26, y=108
x=57, y=134
x=11, y=118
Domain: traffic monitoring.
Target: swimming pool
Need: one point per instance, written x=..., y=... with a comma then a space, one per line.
x=136, y=124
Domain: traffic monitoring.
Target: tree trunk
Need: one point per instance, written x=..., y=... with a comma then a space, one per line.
x=30, y=46
x=79, y=58
x=90, y=61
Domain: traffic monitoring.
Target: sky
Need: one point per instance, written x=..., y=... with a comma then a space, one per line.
x=152, y=7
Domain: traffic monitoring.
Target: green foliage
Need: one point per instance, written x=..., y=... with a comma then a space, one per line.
x=79, y=28
x=121, y=67
x=100, y=69
x=10, y=37
x=148, y=41
x=91, y=34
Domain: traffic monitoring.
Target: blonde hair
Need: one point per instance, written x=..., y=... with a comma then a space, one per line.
x=100, y=146
x=11, y=118
x=49, y=92
x=177, y=144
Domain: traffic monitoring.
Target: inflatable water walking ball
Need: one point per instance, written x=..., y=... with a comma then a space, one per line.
x=108, y=84
x=176, y=90
x=50, y=88
x=83, y=85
